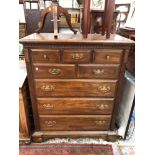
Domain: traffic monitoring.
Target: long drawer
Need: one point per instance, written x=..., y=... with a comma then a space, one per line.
x=74, y=122
x=98, y=71
x=75, y=106
x=77, y=88
x=54, y=71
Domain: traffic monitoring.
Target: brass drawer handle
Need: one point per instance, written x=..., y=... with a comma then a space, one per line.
x=54, y=71
x=47, y=88
x=107, y=57
x=45, y=56
x=48, y=106
x=77, y=56
x=37, y=68
x=102, y=106
x=50, y=123
x=99, y=123
x=104, y=89
x=98, y=71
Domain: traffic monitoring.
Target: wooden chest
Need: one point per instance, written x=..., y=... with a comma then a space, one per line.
x=75, y=83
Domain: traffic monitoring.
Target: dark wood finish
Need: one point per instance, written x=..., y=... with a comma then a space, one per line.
x=72, y=88
x=108, y=56
x=98, y=71
x=108, y=17
x=68, y=99
x=81, y=106
x=54, y=71
x=75, y=122
x=31, y=88
x=76, y=56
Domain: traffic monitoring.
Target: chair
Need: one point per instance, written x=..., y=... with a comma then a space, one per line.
x=107, y=18
x=96, y=21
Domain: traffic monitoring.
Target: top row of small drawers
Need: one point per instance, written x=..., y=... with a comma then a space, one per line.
x=99, y=56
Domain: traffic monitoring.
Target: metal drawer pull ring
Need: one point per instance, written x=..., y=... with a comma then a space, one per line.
x=104, y=89
x=54, y=71
x=98, y=71
x=99, y=123
x=48, y=106
x=77, y=56
x=50, y=123
x=47, y=88
x=102, y=106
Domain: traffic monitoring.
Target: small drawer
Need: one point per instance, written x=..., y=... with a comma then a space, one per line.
x=108, y=56
x=75, y=88
x=98, y=71
x=45, y=56
x=75, y=106
x=54, y=70
x=76, y=56
x=75, y=122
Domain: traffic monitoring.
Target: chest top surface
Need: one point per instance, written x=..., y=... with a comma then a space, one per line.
x=75, y=39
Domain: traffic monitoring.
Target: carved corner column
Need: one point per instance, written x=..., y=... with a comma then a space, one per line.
x=86, y=18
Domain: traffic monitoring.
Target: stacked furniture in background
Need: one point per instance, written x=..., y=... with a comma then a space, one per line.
x=96, y=21
x=124, y=9
x=32, y=17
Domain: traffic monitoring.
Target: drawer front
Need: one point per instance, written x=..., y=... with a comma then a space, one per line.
x=76, y=56
x=45, y=56
x=108, y=56
x=75, y=122
x=54, y=71
x=49, y=106
x=98, y=71
x=70, y=88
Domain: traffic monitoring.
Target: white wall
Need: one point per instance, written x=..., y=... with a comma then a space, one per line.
x=21, y=14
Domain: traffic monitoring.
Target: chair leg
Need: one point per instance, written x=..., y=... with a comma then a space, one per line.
x=86, y=17
x=104, y=22
x=108, y=17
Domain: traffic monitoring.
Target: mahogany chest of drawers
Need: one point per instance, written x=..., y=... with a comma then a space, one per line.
x=75, y=83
